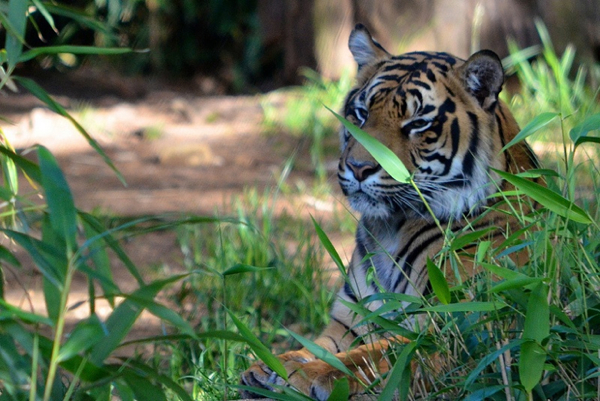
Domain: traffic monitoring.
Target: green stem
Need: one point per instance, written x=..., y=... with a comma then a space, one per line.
x=60, y=326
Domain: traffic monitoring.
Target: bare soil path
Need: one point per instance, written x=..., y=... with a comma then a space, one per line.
x=178, y=152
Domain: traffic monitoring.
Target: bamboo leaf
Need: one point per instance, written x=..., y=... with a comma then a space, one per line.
x=438, y=282
x=516, y=283
x=490, y=358
x=534, y=125
x=29, y=168
x=536, y=329
x=122, y=318
x=341, y=390
x=384, y=156
x=586, y=139
x=30, y=54
x=168, y=315
x=547, y=198
x=9, y=312
x=99, y=256
x=591, y=123
x=537, y=320
x=85, y=335
x=531, y=364
x=63, y=215
x=162, y=379
x=142, y=388
x=47, y=16
x=7, y=256
x=43, y=255
x=15, y=28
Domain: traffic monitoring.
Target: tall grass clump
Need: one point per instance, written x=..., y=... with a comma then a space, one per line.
x=300, y=112
x=551, y=84
x=267, y=271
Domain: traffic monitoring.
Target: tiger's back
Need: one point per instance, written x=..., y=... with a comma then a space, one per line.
x=442, y=117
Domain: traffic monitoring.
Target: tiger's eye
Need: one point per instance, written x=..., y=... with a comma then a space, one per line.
x=419, y=123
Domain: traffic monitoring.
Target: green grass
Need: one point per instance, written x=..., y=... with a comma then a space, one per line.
x=303, y=114
x=288, y=289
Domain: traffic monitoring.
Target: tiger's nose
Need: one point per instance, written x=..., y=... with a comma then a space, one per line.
x=362, y=171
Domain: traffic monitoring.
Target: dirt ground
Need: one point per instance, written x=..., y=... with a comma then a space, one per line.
x=178, y=152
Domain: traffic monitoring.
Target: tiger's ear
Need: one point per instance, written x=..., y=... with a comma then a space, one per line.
x=483, y=76
x=363, y=47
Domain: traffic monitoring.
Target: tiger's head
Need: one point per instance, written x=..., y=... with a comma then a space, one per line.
x=437, y=113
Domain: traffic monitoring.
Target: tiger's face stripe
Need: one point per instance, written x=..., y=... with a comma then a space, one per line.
x=410, y=103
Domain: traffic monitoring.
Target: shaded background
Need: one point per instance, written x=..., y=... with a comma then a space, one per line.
x=245, y=46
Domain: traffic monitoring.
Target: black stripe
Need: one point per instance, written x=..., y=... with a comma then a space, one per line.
x=421, y=84
x=469, y=160
x=412, y=239
x=414, y=254
x=348, y=329
x=431, y=76
x=350, y=293
x=337, y=348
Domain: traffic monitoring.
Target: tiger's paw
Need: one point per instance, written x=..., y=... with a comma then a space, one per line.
x=315, y=378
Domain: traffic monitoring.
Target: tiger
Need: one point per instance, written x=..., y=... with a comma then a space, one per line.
x=442, y=117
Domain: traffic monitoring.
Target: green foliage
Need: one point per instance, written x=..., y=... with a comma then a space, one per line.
x=549, y=84
x=303, y=114
x=267, y=272
x=37, y=352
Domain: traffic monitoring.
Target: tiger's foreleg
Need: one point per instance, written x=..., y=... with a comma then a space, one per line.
x=316, y=378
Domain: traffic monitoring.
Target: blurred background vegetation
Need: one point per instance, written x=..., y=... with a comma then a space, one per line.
x=233, y=46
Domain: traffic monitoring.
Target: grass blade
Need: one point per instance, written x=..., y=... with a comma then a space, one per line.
x=259, y=349
x=547, y=198
x=384, y=156
x=534, y=125
x=399, y=376
x=322, y=354
x=330, y=248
